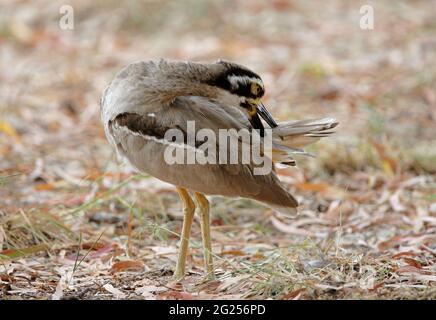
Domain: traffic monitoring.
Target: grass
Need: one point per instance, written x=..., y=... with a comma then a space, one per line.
x=367, y=200
x=306, y=267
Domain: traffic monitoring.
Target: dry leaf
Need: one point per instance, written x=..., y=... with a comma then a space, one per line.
x=338, y=211
x=44, y=187
x=93, y=245
x=405, y=253
x=313, y=187
x=60, y=287
x=291, y=229
x=116, y=292
x=394, y=200
x=159, y=250
x=16, y=253
x=384, y=245
x=233, y=253
x=175, y=295
x=389, y=165
x=293, y=294
x=106, y=252
x=6, y=128
x=150, y=291
x=413, y=263
x=128, y=265
x=376, y=286
x=409, y=269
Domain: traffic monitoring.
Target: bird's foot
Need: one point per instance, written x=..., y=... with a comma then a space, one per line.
x=178, y=277
x=176, y=281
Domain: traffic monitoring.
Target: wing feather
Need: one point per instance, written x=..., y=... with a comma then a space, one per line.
x=141, y=142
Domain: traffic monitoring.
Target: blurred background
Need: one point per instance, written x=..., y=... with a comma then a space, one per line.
x=371, y=186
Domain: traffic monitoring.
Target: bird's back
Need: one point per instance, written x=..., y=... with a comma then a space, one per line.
x=148, y=99
x=140, y=140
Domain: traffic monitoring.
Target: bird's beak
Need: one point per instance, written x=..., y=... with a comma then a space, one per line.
x=266, y=115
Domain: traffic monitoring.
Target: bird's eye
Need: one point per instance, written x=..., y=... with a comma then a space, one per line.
x=256, y=89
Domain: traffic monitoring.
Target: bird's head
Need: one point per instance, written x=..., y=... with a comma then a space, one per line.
x=241, y=87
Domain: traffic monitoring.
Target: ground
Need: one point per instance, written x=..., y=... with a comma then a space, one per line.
x=76, y=224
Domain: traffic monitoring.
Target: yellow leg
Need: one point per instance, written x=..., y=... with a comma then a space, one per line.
x=188, y=212
x=203, y=203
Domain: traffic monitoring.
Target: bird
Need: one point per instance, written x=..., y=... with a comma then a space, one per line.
x=147, y=99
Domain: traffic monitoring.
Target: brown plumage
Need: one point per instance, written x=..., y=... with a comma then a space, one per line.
x=146, y=99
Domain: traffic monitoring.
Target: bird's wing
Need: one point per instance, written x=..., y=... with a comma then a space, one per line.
x=141, y=139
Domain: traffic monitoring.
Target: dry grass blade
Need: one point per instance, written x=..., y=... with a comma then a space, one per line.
x=367, y=225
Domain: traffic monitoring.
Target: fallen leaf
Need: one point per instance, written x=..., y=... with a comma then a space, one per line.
x=175, y=295
x=405, y=253
x=407, y=269
x=394, y=200
x=17, y=253
x=233, y=253
x=44, y=187
x=21, y=31
x=425, y=277
x=389, y=165
x=159, y=250
x=59, y=292
x=106, y=252
x=127, y=265
x=5, y=277
x=413, y=263
x=338, y=211
x=329, y=93
x=6, y=128
x=257, y=256
x=291, y=229
x=116, y=292
x=93, y=245
x=376, y=286
x=150, y=291
x=293, y=294
x=383, y=245
x=313, y=187
x=231, y=281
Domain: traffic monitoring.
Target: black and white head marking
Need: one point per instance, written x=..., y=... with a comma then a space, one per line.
x=239, y=81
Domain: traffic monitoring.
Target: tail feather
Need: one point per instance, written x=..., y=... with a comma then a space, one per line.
x=290, y=137
x=287, y=130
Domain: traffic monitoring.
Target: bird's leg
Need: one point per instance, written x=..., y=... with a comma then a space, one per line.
x=203, y=204
x=188, y=212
